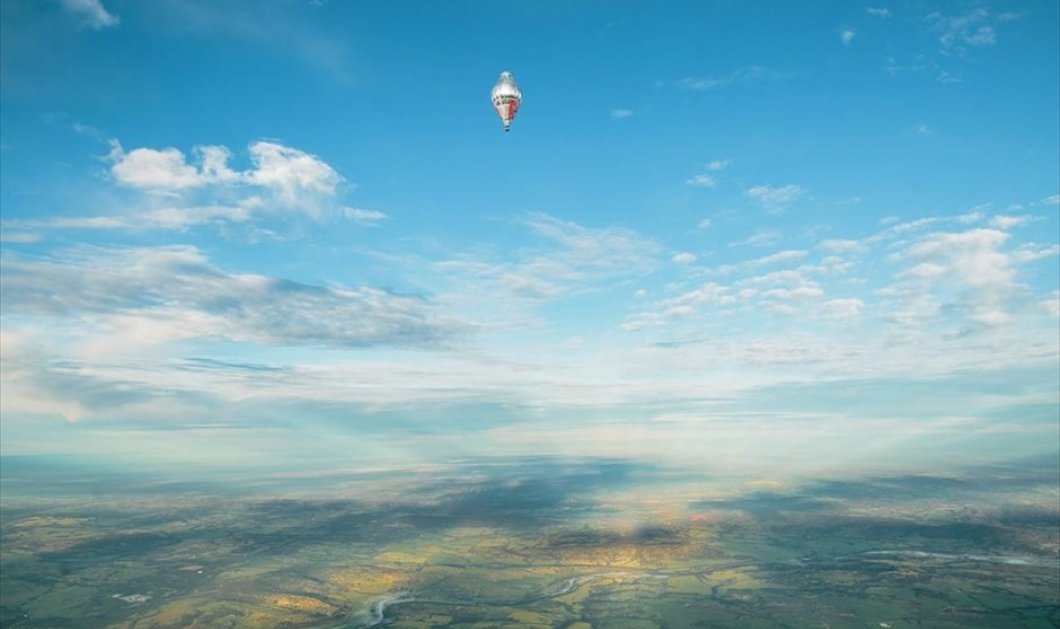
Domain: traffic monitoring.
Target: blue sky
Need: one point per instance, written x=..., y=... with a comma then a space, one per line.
x=258, y=233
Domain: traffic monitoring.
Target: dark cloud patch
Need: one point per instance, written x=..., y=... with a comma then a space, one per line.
x=907, y=532
x=591, y=538
x=526, y=492
x=919, y=486
x=766, y=503
x=523, y=495
x=983, y=507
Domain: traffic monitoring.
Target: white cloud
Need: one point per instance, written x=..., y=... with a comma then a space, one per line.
x=1002, y=221
x=719, y=164
x=957, y=33
x=1031, y=252
x=683, y=257
x=840, y=309
x=761, y=238
x=921, y=64
x=704, y=223
x=185, y=217
x=897, y=229
x=281, y=178
x=1052, y=200
x=363, y=216
x=529, y=286
x=214, y=164
x=843, y=246
x=780, y=256
x=685, y=304
x=847, y=36
x=588, y=251
x=983, y=36
x=701, y=181
x=175, y=217
x=1051, y=304
x=786, y=276
x=775, y=291
x=146, y=296
x=797, y=293
x=923, y=131
x=92, y=13
x=962, y=271
x=621, y=113
x=290, y=172
x=775, y=198
x=294, y=177
x=164, y=169
x=89, y=131
x=743, y=75
x=85, y=222
x=878, y=12
x=566, y=257
x=19, y=237
x=773, y=258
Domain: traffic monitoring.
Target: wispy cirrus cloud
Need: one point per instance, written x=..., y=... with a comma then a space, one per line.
x=566, y=257
x=708, y=179
x=923, y=130
x=777, y=290
x=589, y=251
x=363, y=216
x=761, y=238
x=957, y=33
x=22, y=237
x=745, y=75
x=171, y=217
x=290, y=27
x=775, y=198
x=779, y=257
x=91, y=13
x=920, y=64
x=843, y=245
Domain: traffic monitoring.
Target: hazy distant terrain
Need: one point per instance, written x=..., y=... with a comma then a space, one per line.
x=536, y=542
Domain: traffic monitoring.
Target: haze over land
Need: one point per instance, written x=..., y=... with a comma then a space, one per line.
x=281, y=298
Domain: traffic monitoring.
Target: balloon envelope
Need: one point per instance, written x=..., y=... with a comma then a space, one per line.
x=506, y=98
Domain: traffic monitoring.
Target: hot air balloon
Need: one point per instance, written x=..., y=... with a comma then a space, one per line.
x=506, y=98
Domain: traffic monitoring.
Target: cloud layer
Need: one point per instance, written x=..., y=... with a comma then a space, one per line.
x=146, y=296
